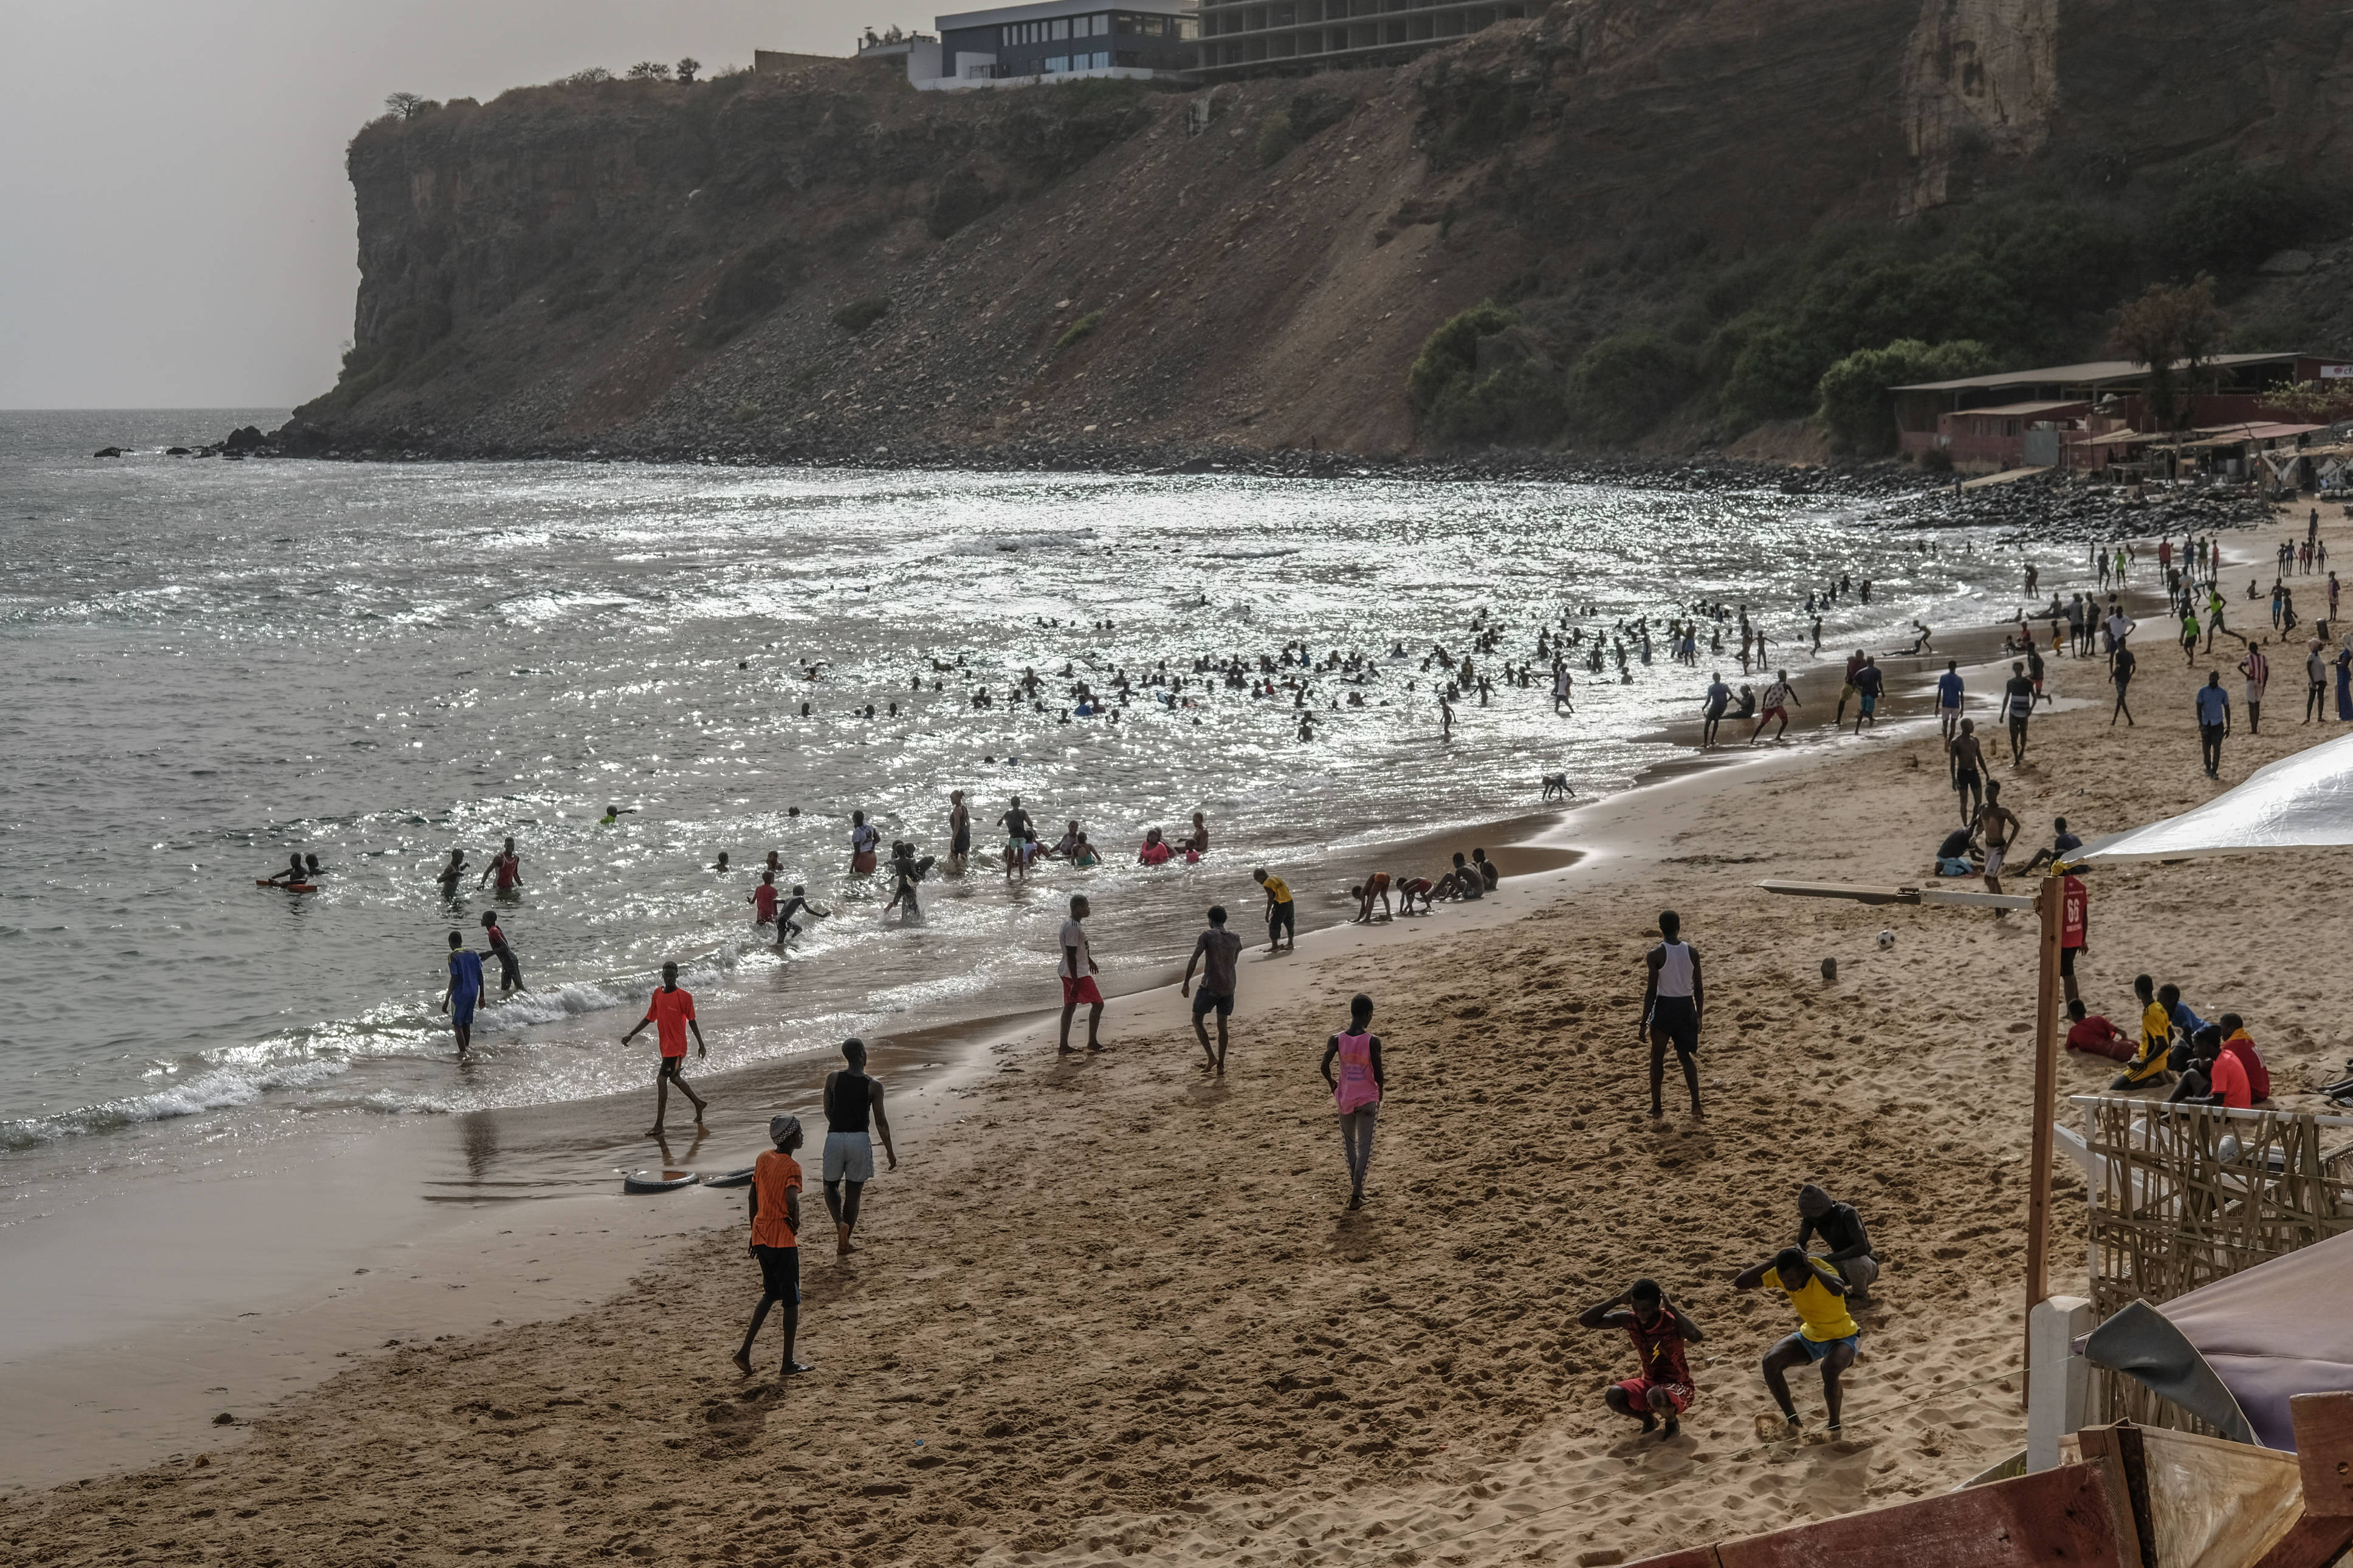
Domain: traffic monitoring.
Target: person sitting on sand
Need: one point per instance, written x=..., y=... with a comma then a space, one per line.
x=2094, y=1035
x=1955, y=852
x=1357, y=1092
x=1463, y=883
x=776, y=1207
x=1827, y=1333
x=1842, y=1231
x=1488, y=874
x=1662, y=1390
x=1156, y=850
x=1375, y=886
x=2147, y=1069
x=2213, y=1076
x=2236, y=1042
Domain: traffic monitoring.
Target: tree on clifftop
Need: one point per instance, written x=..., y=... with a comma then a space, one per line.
x=408, y=105
x=2172, y=326
x=686, y=69
x=649, y=70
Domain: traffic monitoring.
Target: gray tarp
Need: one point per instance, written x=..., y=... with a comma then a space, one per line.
x=2304, y=799
x=2277, y=1329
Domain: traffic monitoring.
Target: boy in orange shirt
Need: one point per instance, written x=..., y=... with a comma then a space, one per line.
x=671, y=1012
x=776, y=1240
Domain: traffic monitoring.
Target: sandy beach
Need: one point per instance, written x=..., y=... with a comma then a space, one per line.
x=1111, y=1310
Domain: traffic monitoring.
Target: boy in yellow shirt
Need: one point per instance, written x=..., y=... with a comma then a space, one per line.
x=2148, y=1069
x=1281, y=914
x=1827, y=1331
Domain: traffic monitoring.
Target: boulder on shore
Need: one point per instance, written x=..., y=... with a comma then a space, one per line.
x=108, y=452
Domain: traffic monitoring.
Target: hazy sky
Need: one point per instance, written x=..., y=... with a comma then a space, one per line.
x=175, y=229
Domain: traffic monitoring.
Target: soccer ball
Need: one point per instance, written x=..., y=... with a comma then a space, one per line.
x=1886, y=940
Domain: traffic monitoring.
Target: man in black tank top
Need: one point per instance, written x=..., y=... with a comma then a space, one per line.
x=851, y=1099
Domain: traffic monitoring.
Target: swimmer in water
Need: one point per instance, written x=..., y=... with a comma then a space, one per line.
x=720, y=865
x=452, y=874
x=787, y=927
x=506, y=865
x=959, y=831
x=293, y=873
x=762, y=899
x=612, y=815
x=510, y=966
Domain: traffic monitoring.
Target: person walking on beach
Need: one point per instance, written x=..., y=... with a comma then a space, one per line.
x=506, y=865
x=1827, y=1334
x=959, y=832
x=2213, y=722
x=1218, y=948
x=2120, y=671
x=2258, y=671
x=1711, y=707
x=2001, y=827
x=1662, y=1391
x=1968, y=758
x=1357, y=1092
x=1673, y=1001
x=1078, y=975
x=2018, y=705
x=1282, y=911
x=851, y=1099
x=776, y=1208
x=2316, y=683
x=1777, y=699
x=1868, y=684
x=464, y=991
x=1849, y=692
x=1948, y=697
x=671, y=1012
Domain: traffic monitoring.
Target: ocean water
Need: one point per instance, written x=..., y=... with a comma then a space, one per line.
x=212, y=664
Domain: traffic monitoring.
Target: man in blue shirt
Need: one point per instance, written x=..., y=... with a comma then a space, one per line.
x=2213, y=721
x=465, y=989
x=1948, y=697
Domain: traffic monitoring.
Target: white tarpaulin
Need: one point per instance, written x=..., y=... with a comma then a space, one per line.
x=2299, y=801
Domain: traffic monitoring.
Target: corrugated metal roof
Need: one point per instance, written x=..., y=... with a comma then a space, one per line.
x=2015, y=408
x=2075, y=374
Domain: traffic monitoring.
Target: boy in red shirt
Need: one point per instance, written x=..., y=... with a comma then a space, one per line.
x=2215, y=1076
x=1658, y=1331
x=2235, y=1042
x=2094, y=1035
x=764, y=901
x=776, y=1240
x=671, y=1012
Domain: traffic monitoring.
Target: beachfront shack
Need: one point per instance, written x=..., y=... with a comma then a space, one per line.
x=2032, y=418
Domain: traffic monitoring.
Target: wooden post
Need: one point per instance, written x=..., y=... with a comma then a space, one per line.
x=2050, y=900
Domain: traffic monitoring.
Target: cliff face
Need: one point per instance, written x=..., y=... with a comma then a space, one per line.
x=651, y=268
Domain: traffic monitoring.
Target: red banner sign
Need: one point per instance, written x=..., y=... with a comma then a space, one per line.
x=2072, y=912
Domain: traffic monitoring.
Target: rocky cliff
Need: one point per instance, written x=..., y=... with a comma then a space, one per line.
x=832, y=264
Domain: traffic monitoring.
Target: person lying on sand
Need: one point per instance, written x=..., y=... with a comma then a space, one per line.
x=776, y=1203
x=1827, y=1334
x=1375, y=886
x=1663, y=1389
x=2094, y=1035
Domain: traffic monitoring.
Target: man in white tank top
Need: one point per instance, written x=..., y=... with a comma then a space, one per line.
x=1672, y=1004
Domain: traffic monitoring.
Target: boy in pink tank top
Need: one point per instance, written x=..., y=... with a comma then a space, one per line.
x=1357, y=1092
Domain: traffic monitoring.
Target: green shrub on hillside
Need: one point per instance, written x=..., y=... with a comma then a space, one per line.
x=1629, y=382
x=1276, y=138
x=1451, y=352
x=1855, y=406
x=860, y=314
x=1768, y=374
x=963, y=197
x=1079, y=330
x=2228, y=220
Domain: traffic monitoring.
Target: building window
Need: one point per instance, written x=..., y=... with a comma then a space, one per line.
x=1061, y=28
x=1057, y=64
x=1102, y=59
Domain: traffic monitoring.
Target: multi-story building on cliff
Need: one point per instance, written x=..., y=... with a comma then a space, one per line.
x=1017, y=45
x=1258, y=37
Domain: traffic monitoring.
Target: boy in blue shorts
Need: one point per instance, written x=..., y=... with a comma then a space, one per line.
x=1827, y=1335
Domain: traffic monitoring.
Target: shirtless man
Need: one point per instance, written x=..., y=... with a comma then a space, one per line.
x=787, y=927
x=1412, y=888
x=1673, y=1000
x=452, y=873
x=1966, y=758
x=1999, y=825
x=1718, y=698
x=1217, y=949
x=1375, y=886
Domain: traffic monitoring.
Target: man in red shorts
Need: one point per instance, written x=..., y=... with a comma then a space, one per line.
x=671, y=1012
x=1077, y=972
x=1660, y=1331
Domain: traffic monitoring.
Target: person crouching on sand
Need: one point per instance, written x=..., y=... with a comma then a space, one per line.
x=1827, y=1333
x=776, y=1240
x=1357, y=1092
x=1663, y=1389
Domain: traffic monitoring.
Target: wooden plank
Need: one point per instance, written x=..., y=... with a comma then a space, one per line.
x=2313, y=1543
x=2038, y=1126
x=2059, y=1519
x=2324, y=1450
x=1841, y=891
x=1690, y=1557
